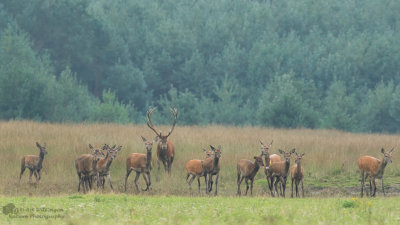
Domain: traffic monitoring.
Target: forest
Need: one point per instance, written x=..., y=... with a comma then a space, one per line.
x=331, y=64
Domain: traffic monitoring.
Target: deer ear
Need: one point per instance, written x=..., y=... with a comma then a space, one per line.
x=281, y=151
x=119, y=148
x=37, y=144
x=212, y=148
x=219, y=147
x=91, y=147
x=204, y=150
x=303, y=154
x=144, y=139
x=255, y=157
x=293, y=151
x=155, y=139
x=270, y=144
x=383, y=150
x=262, y=144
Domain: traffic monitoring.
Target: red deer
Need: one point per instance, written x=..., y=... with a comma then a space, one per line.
x=33, y=163
x=141, y=163
x=165, y=148
x=103, y=166
x=86, y=167
x=268, y=160
x=195, y=168
x=247, y=170
x=297, y=175
x=212, y=167
x=373, y=168
x=280, y=170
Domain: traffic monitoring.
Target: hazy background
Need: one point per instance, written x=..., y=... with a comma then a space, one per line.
x=292, y=63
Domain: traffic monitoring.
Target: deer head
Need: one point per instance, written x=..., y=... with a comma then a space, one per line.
x=287, y=155
x=97, y=153
x=42, y=148
x=112, y=152
x=259, y=161
x=265, y=148
x=298, y=157
x=209, y=153
x=217, y=152
x=387, y=156
x=149, y=144
x=163, y=138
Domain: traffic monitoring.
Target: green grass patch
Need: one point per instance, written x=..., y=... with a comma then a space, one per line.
x=124, y=209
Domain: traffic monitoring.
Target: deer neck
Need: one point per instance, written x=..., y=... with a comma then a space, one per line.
x=267, y=160
x=41, y=157
x=215, y=162
x=256, y=168
x=287, y=166
x=108, y=164
x=148, y=160
x=298, y=167
x=381, y=170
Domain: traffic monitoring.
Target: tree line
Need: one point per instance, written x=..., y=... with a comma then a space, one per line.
x=316, y=64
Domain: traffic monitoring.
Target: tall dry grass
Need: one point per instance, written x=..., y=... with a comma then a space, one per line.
x=326, y=151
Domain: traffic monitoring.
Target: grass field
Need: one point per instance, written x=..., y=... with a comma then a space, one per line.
x=332, y=179
x=127, y=209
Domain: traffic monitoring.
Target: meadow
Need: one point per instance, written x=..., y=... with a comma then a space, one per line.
x=330, y=165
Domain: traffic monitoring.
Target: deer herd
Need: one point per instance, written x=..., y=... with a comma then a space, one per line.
x=95, y=166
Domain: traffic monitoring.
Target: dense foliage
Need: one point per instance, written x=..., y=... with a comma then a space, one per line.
x=289, y=63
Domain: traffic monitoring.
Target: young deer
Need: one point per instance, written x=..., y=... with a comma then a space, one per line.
x=280, y=170
x=195, y=168
x=268, y=160
x=212, y=167
x=140, y=163
x=297, y=175
x=165, y=148
x=373, y=168
x=103, y=166
x=33, y=163
x=86, y=167
x=247, y=170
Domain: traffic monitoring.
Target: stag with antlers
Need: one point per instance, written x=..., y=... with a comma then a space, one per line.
x=165, y=148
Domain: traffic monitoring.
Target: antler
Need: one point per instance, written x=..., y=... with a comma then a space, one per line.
x=175, y=113
x=149, y=123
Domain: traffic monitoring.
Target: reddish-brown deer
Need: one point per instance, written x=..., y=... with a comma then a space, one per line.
x=33, y=163
x=195, y=168
x=141, y=164
x=268, y=160
x=280, y=170
x=165, y=148
x=373, y=168
x=247, y=170
x=212, y=167
x=297, y=175
x=103, y=166
x=86, y=167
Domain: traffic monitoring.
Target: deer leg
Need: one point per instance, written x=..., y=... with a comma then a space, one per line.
x=145, y=180
x=210, y=183
x=136, y=179
x=302, y=186
x=191, y=181
x=362, y=182
x=22, y=172
x=109, y=181
x=79, y=183
x=297, y=188
x=205, y=182
x=373, y=181
x=149, y=177
x=30, y=175
x=276, y=186
x=35, y=174
x=292, y=189
x=38, y=172
x=271, y=186
x=198, y=182
x=370, y=185
x=283, y=181
x=247, y=184
x=383, y=187
x=216, y=184
x=240, y=179
x=126, y=176
x=251, y=186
